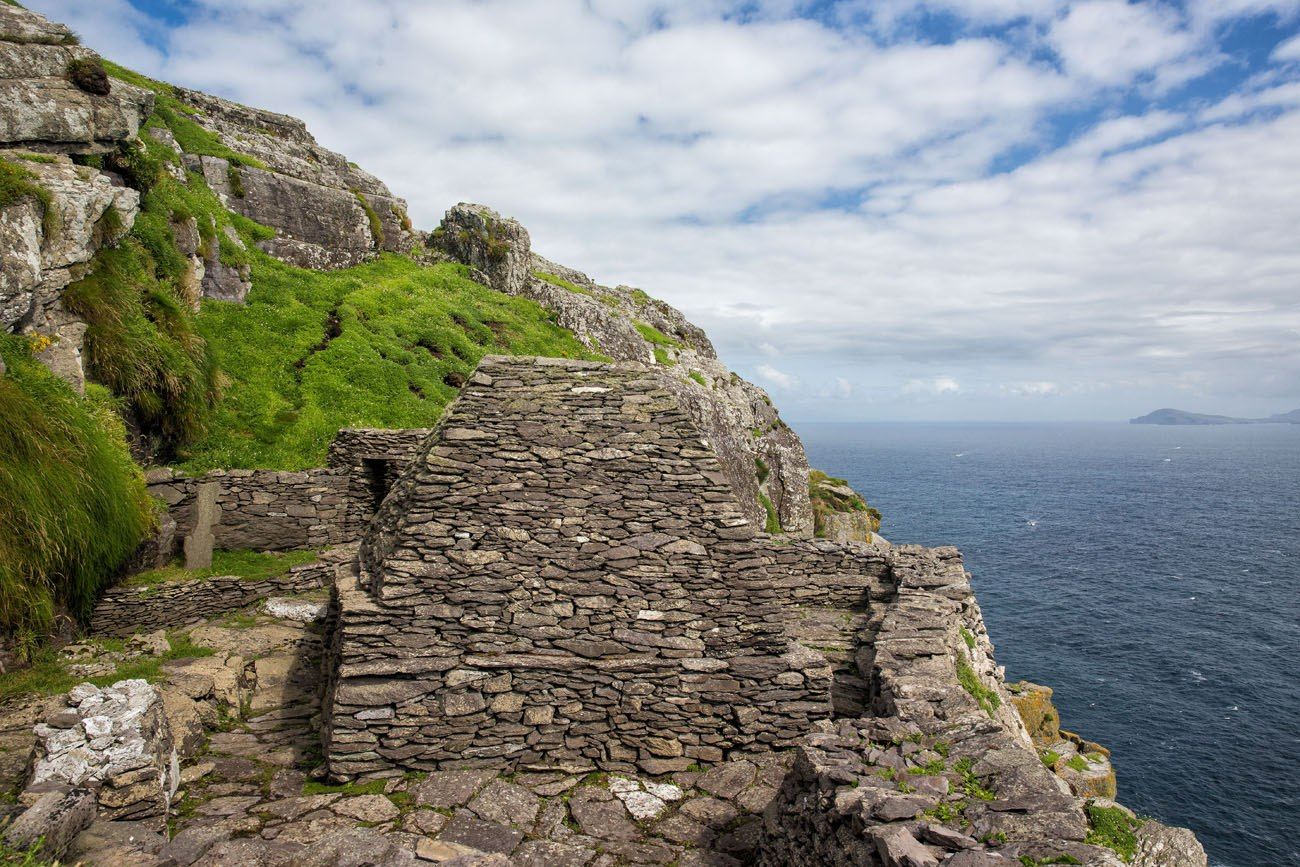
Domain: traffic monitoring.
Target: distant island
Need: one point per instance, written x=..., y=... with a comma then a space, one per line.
x=1183, y=417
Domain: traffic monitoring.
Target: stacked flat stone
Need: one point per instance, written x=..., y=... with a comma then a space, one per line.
x=564, y=578
x=933, y=777
x=114, y=741
x=125, y=610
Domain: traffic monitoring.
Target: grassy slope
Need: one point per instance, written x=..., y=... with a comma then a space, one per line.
x=405, y=336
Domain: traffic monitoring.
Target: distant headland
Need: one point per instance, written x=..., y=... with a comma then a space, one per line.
x=1183, y=417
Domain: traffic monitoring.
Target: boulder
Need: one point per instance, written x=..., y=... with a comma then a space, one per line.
x=60, y=813
x=1164, y=846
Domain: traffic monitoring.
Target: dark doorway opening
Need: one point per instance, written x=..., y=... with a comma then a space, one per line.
x=377, y=481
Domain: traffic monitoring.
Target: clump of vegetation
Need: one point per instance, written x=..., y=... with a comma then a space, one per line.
x=376, y=225
x=773, y=524
x=1077, y=763
x=17, y=183
x=699, y=378
x=662, y=357
x=640, y=297
x=370, y=787
x=970, y=783
x=403, y=219
x=236, y=181
x=249, y=565
x=1050, y=758
x=1028, y=861
x=1113, y=828
x=655, y=336
x=761, y=471
x=988, y=698
x=968, y=637
x=73, y=505
x=143, y=343
x=826, y=500
x=88, y=74
x=560, y=282
x=396, y=333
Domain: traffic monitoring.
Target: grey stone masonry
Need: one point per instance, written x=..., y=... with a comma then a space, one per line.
x=124, y=610
x=273, y=510
x=564, y=578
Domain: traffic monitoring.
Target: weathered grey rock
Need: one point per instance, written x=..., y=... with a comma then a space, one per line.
x=122, y=748
x=198, y=544
x=498, y=246
x=469, y=830
x=34, y=268
x=446, y=789
x=1164, y=846
x=45, y=110
x=129, y=844
x=300, y=610
x=54, y=821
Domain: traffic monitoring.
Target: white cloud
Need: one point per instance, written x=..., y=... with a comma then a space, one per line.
x=1032, y=389
x=1111, y=41
x=1287, y=51
x=782, y=380
x=936, y=386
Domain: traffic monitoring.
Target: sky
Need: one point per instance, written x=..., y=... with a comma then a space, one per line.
x=878, y=209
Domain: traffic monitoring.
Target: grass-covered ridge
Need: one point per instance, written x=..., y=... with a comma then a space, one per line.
x=384, y=344
x=73, y=505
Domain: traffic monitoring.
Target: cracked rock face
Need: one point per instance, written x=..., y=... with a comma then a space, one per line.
x=35, y=268
x=319, y=204
x=44, y=109
x=115, y=741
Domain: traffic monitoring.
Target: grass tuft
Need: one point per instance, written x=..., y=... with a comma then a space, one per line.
x=988, y=698
x=73, y=505
x=547, y=277
x=250, y=565
x=1114, y=829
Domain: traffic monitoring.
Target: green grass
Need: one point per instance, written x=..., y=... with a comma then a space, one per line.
x=9, y=855
x=988, y=698
x=547, y=277
x=662, y=357
x=698, y=377
x=142, y=342
x=772, y=526
x=382, y=344
x=1050, y=758
x=1077, y=763
x=17, y=183
x=654, y=335
x=249, y=565
x=930, y=769
x=178, y=117
x=376, y=225
x=968, y=637
x=49, y=675
x=1113, y=828
x=761, y=470
x=73, y=505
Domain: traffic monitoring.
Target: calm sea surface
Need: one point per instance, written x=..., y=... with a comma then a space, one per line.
x=1150, y=575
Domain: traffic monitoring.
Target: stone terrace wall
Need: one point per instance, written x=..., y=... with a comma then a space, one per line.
x=564, y=578
x=124, y=610
x=935, y=776
x=271, y=510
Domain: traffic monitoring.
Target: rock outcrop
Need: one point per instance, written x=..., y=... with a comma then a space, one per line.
x=49, y=86
x=327, y=212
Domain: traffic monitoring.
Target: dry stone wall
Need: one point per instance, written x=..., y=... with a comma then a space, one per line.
x=272, y=510
x=124, y=610
x=564, y=578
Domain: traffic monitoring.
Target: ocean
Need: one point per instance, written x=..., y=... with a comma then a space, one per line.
x=1150, y=575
